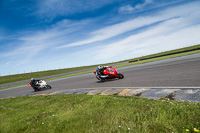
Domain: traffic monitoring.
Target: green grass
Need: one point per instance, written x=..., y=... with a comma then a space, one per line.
x=13, y=86
x=27, y=76
x=20, y=77
x=159, y=58
x=86, y=113
x=195, y=47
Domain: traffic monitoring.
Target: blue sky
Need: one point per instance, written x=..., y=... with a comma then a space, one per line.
x=37, y=35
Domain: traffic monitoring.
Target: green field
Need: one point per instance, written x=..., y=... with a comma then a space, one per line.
x=27, y=76
x=97, y=114
x=172, y=52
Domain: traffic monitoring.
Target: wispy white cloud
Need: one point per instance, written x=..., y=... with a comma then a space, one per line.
x=8, y=62
x=30, y=46
x=162, y=37
x=116, y=29
x=120, y=28
x=32, y=43
x=147, y=5
x=126, y=9
x=165, y=36
x=179, y=30
x=140, y=6
x=130, y=9
x=52, y=8
x=33, y=48
x=19, y=64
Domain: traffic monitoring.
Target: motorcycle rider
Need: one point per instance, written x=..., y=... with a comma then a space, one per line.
x=99, y=72
x=34, y=82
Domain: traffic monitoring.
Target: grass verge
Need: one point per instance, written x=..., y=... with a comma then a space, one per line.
x=159, y=58
x=86, y=113
x=171, y=52
x=26, y=76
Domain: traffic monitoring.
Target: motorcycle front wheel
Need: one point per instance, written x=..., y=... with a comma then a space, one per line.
x=48, y=86
x=36, y=89
x=121, y=76
x=102, y=80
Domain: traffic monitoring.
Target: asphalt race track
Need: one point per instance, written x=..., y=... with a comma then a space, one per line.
x=181, y=72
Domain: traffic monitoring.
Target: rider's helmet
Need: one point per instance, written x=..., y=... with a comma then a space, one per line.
x=100, y=67
x=32, y=79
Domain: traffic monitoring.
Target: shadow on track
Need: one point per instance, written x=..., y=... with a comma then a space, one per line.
x=42, y=89
x=108, y=80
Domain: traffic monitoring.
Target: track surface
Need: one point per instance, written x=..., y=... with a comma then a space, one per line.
x=181, y=72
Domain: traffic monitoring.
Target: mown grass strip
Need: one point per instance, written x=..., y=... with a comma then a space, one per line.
x=86, y=113
x=20, y=77
x=159, y=58
x=167, y=53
